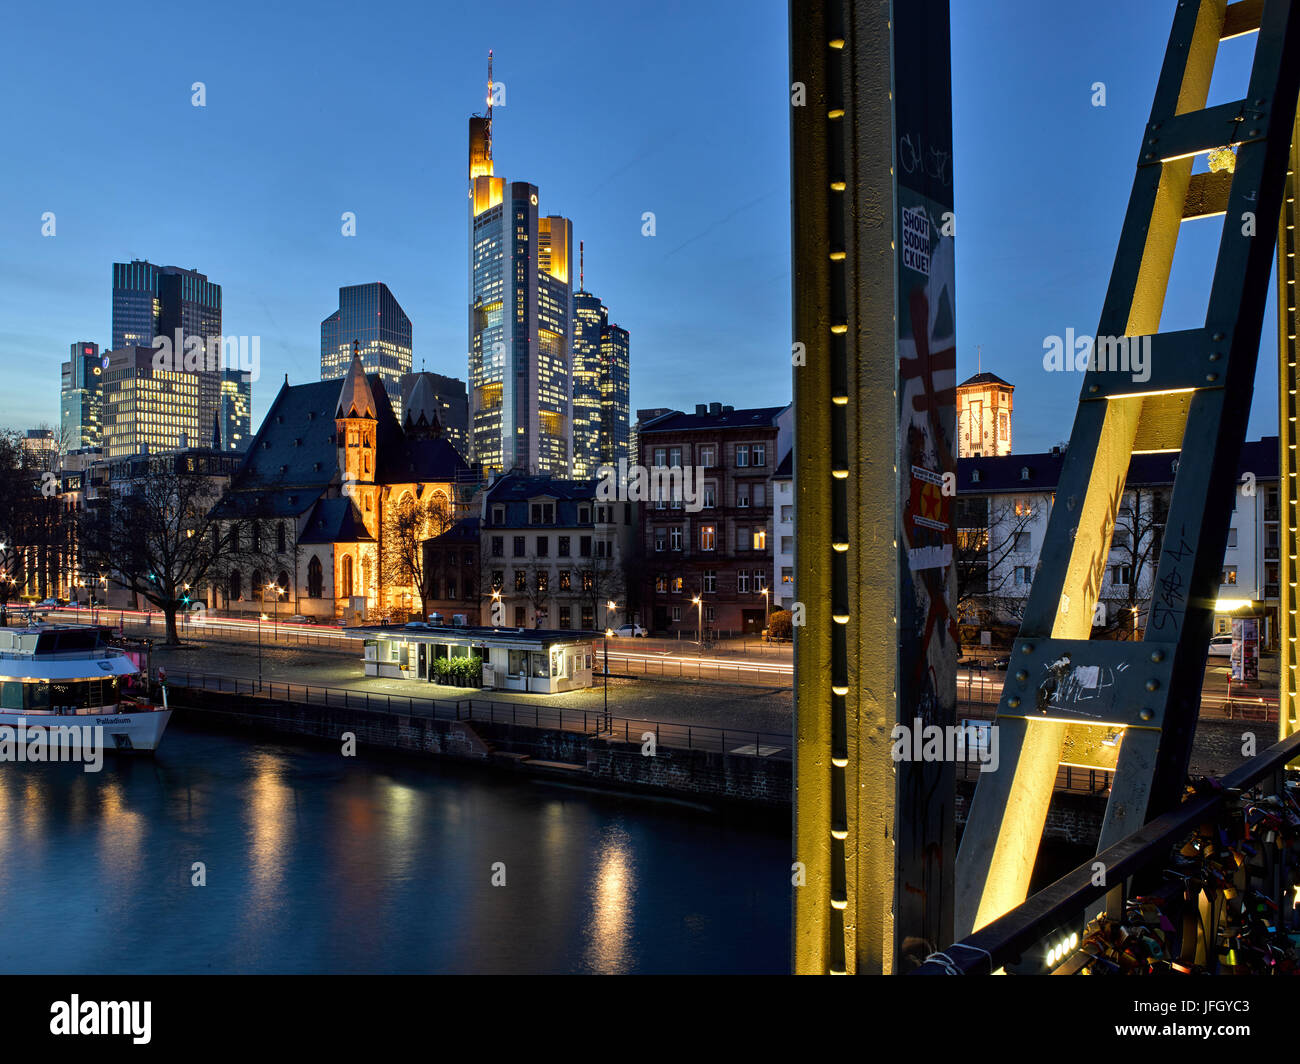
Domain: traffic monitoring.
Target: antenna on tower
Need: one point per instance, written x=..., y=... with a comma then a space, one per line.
x=979, y=357
x=582, y=284
x=489, y=107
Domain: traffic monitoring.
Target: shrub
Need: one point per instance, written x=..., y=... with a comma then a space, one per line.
x=779, y=625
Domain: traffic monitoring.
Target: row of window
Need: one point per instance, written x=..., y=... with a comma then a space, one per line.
x=670, y=538
x=747, y=581
x=543, y=513
x=745, y=455
x=587, y=547
x=564, y=580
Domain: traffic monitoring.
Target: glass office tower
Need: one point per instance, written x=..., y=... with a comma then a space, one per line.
x=81, y=398
x=371, y=317
x=614, y=379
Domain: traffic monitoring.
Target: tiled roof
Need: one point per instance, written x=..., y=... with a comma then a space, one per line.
x=986, y=378
x=677, y=421
x=336, y=521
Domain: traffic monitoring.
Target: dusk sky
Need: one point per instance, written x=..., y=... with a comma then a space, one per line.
x=612, y=110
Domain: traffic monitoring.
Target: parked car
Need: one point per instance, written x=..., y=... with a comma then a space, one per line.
x=628, y=631
x=1221, y=646
x=48, y=604
x=301, y=618
x=1002, y=662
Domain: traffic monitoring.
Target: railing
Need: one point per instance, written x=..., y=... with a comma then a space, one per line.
x=1007, y=938
x=529, y=714
x=686, y=668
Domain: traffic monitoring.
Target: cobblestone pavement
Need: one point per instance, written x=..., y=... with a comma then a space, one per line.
x=731, y=706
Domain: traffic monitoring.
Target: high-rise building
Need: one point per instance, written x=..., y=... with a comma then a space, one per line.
x=521, y=400
x=370, y=318
x=81, y=398
x=148, y=410
x=590, y=319
x=234, y=427
x=426, y=396
x=984, y=416
x=614, y=372
x=151, y=301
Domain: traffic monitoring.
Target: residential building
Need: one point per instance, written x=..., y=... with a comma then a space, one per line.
x=442, y=397
x=1003, y=504
x=453, y=573
x=642, y=416
x=520, y=322
x=81, y=397
x=984, y=416
x=709, y=564
x=553, y=555
x=371, y=325
x=783, y=589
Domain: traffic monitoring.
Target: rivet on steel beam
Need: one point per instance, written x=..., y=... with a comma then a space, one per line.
x=1153, y=685
x=836, y=42
x=1014, y=703
x=1027, y=648
x=1157, y=655
x=1146, y=714
x=1215, y=356
x=1094, y=388
x=1022, y=676
x=1252, y=133
x=839, y=329
x=837, y=186
x=1217, y=336
x=1211, y=377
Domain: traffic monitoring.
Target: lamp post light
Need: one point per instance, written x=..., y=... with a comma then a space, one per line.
x=496, y=599
x=260, y=618
x=605, y=723
x=697, y=601
x=767, y=602
x=275, y=621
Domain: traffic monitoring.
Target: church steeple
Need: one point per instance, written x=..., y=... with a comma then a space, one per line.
x=356, y=425
x=356, y=399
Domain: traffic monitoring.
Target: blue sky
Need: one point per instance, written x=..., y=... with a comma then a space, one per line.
x=612, y=110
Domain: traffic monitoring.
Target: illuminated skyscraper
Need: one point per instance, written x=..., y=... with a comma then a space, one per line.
x=600, y=387
x=151, y=301
x=234, y=428
x=81, y=398
x=370, y=317
x=614, y=372
x=148, y=410
x=520, y=331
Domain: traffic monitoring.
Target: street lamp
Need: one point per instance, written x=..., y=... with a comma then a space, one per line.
x=699, y=631
x=606, y=723
x=260, y=618
x=496, y=598
x=767, y=602
x=275, y=630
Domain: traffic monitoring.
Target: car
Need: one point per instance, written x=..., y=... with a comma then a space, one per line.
x=48, y=604
x=301, y=618
x=1001, y=663
x=625, y=631
x=1221, y=646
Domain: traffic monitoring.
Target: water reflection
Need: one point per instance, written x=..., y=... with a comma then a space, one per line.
x=613, y=892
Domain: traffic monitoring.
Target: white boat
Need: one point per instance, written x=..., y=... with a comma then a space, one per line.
x=69, y=676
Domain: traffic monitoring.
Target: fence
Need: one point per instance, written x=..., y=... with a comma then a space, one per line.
x=528, y=714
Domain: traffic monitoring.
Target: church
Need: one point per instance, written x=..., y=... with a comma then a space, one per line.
x=308, y=519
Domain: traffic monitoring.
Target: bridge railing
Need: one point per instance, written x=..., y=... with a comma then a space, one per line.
x=1005, y=940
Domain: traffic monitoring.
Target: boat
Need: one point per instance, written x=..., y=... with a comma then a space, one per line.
x=74, y=676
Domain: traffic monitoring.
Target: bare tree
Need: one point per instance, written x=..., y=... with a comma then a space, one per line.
x=989, y=532
x=406, y=526
x=1134, y=554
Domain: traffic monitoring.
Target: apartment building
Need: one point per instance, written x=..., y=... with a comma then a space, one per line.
x=709, y=559
x=1002, y=508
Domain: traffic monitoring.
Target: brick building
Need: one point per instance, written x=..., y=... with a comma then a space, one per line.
x=716, y=544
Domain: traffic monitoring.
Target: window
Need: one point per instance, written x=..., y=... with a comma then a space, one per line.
x=604, y=548
x=787, y=544
x=1121, y=574
x=562, y=550
x=677, y=613
x=787, y=575
x=588, y=617
x=584, y=546
x=498, y=546
x=661, y=583
x=710, y=581
x=661, y=457
x=675, y=457
x=520, y=619
x=677, y=585
x=1229, y=575
x=543, y=582
x=566, y=617
x=742, y=539
x=742, y=581
x=759, y=454
x=760, y=580
x=1023, y=507
x=675, y=537
x=584, y=515
x=1024, y=542
x=1002, y=426
x=661, y=539
x=280, y=537
x=1024, y=472
x=710, y=496
x=742, y=454
x=543, y=546
x=706, y=455
x=520, y=549
x=975, y=475
x=708, y=534
x=565, y=582
x=451, y=587
x=521, y=580
x=498, y=579
x=742, y=495
x=1232, y=537
x=1023, y=576
x=709, y=615
x=760, y=539
x=542, y=513
x=588, y=583
x=498, y=515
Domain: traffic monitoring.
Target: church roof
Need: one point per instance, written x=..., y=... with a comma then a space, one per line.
x=336, y=521
x=421, y=406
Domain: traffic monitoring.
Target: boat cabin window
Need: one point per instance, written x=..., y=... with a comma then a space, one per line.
x=77, y=694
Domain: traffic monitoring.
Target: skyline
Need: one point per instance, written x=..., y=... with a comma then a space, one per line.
x=707, y=297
